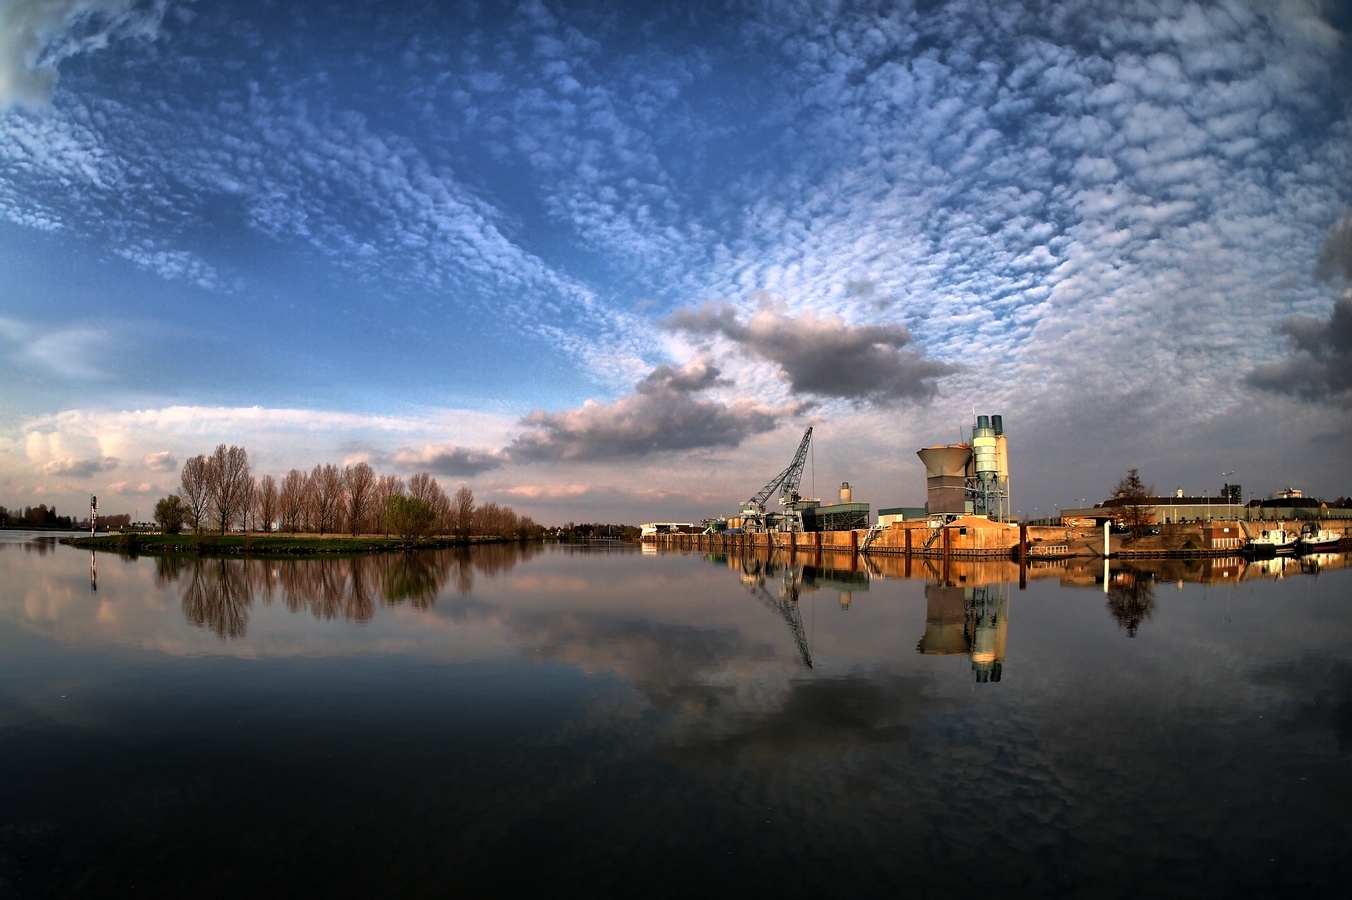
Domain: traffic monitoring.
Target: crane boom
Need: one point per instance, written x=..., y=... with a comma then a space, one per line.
x=785, y=482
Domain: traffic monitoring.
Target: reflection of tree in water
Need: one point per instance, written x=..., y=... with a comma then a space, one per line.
x=220, y=591
x=218, y=596
x=488, y=559
x=169, y=569
x=415, y=577
x=359, y=603
x=1131, y=599
x=330, y=588
x=464, y=571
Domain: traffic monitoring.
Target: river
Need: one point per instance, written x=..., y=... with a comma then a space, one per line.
x=611, y=722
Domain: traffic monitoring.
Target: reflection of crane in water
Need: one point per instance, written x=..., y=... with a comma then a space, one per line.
x=785, y=606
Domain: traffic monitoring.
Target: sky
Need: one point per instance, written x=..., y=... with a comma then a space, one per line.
x=605, y=261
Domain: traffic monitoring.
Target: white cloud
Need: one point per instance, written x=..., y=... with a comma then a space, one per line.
x=74, y=353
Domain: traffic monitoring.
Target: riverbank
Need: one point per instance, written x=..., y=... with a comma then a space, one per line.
x=266, y=544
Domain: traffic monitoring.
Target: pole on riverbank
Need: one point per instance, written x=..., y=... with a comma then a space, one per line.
x=1107, y=551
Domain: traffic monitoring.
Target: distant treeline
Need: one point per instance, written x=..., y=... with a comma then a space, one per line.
x=218, y=492
x=588, y=531
x=40, y=516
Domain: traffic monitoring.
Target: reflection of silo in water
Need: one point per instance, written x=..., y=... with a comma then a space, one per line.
x=946, y=478
x=988, y=627
x=945, y=620
x=970, y=621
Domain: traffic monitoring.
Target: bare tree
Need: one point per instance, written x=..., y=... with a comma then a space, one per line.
x=195, y=490
x=265, y=502
x=1133, y=497
x=462, y=512
x=228, y=479
x=292, y=499
x=327, y=495
x=247, y=505
x=386, y=487
x=492, y=519
x=360, y=481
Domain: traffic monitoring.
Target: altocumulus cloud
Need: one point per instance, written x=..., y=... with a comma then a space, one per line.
x=822, y=355
x=1320, y=364
x=663, y=413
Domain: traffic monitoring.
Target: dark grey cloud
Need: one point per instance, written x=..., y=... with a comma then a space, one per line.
x=823, y=355
x=1335, y=257
x=661, y=414
x=1320, y=364
x=452, y=460
x=162, y=461
x=80, y=468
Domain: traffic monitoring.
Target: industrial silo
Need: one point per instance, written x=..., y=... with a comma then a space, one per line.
x=946, y=470
x=990, y=468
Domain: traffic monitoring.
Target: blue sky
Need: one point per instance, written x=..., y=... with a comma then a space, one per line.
x=608, y=260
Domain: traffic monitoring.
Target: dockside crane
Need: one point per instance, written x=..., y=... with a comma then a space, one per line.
x=786, y=482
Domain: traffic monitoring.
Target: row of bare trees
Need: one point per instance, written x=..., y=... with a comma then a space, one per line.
x=218, y=491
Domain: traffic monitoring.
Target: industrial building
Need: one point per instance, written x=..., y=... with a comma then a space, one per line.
x=964, y=481
x=1227, y=506
x=969, y=479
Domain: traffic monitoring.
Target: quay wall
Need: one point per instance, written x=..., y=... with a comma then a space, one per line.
x=974, y=538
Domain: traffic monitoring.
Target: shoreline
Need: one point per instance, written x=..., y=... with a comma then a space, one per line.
x=256, y=544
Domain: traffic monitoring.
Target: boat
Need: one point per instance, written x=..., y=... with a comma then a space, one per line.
x=1269, y=542
x=1314, y=538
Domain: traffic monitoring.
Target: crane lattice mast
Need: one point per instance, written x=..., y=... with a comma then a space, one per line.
x=786, y=482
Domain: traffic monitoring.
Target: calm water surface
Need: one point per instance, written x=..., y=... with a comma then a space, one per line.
x=619, y=723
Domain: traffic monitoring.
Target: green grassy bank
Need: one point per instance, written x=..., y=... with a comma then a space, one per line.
x=263, y=544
